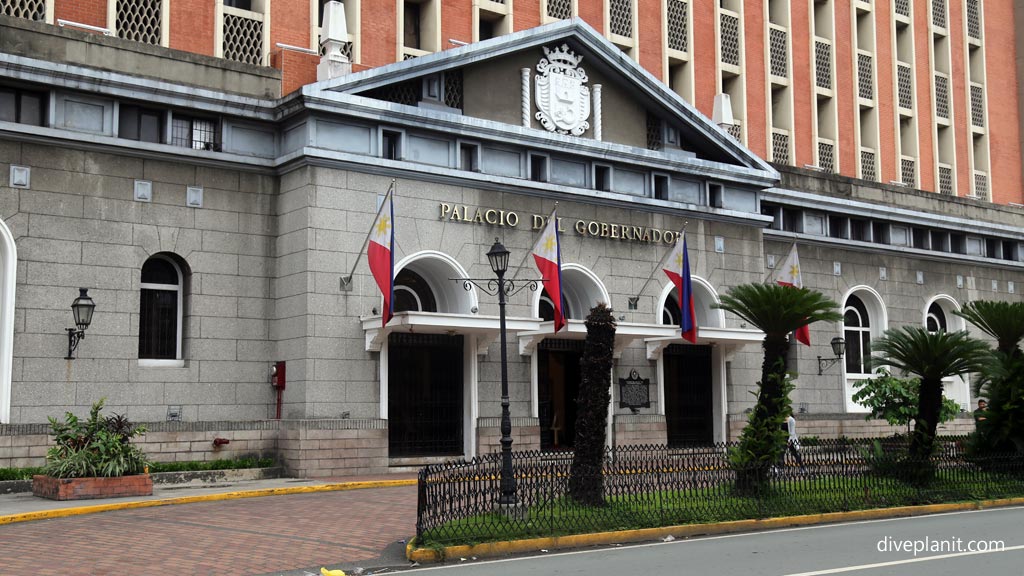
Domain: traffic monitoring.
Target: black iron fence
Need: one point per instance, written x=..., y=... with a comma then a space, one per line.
x=647, y=486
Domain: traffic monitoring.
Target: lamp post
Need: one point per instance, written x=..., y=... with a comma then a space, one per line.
x=503, y=288
x=838, y=347
x=82, y=309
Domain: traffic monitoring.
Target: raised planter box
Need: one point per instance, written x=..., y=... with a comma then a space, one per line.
x=91, y=488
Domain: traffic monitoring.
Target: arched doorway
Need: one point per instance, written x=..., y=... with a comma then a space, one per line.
x=8, y=269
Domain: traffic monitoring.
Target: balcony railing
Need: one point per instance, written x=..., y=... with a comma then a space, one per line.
x=942, y=95
x=823, y=63
x=865, y=76
x=678, y=25
x=735, y=130
x=826, y=155
x=243, y=36
x=729, y=42
x=868, y=169
x=905, y=85
x=779, y=50
x=903, y=8
x=27, y=9
x=945, y=179
x=620, y=17
x=981, y=190
x=559, y=9
x=974, y=19
x=977, y=105
x=780, y=146
x=908, y=171
x=939, y=13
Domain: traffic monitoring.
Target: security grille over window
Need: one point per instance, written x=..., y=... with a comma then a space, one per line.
x=243, y=38
x=945, y=179
x=678, y=28
x=981, y=185
x=779, y=51
x=908, y=171
x=407, y=93
x=780, y=147
x=620, y=13
x=139, y=20
x=195, y=133
x=865, y=85
x=823, y=64
x=903, y=7
x=977, y=105
x=28, y=9
x=974, y=19
x=654, y=133
x=453, y=88
x=906, y=86
x=867, y=165
x=939, y=13
x=730, y=40
x=826, y=156
x=941, y=96
x=559, y=9
x=735, y=130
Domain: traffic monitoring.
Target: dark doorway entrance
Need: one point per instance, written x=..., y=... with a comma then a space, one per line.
x=688, y=407
x=558, y=384
x=425, y=408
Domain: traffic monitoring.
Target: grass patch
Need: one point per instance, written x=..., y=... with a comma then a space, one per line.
x=206, y=465
x=19, y=473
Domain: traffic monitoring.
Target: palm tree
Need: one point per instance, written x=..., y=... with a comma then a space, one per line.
x=1003, y=321
x=931, y=356
x=777, y=311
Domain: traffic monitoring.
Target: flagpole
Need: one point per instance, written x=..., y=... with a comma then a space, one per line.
x=658, y=265
x=346, y=281
x=528, y=252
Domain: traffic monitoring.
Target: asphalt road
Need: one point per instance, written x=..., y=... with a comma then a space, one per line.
x=858, y=549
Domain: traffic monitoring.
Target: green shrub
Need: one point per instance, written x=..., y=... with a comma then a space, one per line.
x=203, y=465
x=99, y=446
x=18, y=473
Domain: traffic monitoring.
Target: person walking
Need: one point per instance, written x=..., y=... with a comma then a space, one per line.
x=793, y=441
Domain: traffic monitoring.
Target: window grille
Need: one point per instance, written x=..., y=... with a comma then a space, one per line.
x=730, y=40
x=974, y=19
x=868, y=170
x=823, y=64
x=865, y=83
x=905, y=85
x=407, y=93
x=908, y=171
x=779, y=51
x=620, y=16
x=678, y=25
x=453, y=88
x=981, y=185
x=735, y=130
x=780, y=147
x=945, y=179
x=939, y=13
x=243, y=37
x=139, y=20
x=941, y=96
x=978, y=105
x=28, y=9
x=195, y=133
x=559, y=9
x=347, y=48
x=655, y=139
x=827, y=156
x=903, y=7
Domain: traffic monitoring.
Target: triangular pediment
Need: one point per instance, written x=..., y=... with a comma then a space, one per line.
x=567, y=64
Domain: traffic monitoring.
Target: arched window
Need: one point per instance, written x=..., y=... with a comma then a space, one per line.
x=547, y=308
x=935, y=321
x=412, y=293
x=160, y=309
x=857, y=332
x=670, y=314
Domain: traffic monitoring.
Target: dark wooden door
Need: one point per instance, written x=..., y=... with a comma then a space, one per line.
x=688, y=406
x=558, y=381
x=425, y=407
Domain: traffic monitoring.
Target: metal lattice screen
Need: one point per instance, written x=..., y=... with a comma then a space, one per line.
x=974, y=19
x=407, y=93
x=826, y=156
x=28, y=9
x=908, y=171
x=559, y=9
x=453, y=88
x=735, y=130
x=941, y=96
x=347, y=48
x=139, y=20
x=780, y=147
x=243, y=39
x=730, y=40
x=865, y=80
x=946, y=180
x=678, y=25
x=779, y=51
x=939, y=13
x=977, y=105
x=905, y=85
x=822, y=64
x=655, y=140
x=868, y=170
x=903, y=7
x=620, y=16
x=981, y=185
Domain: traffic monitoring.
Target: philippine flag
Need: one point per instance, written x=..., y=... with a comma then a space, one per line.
x=789, y=275
x=677, y=268
x=381, y=254
x=548, y=256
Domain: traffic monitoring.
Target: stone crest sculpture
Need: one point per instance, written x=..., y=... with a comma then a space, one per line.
x=563, y=100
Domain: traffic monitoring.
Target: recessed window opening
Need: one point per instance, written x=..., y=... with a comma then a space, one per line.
x=957, y=244
x=22, y=106
x=194, y=133
x=838, y=227
x=857, y=332
x=412, y=293
x=160, y=309
x=792, y=220
x=538, y=167
x=136, y=123
x=993, y=249
x=936, y=319
x=247, y=5
x=602, y=177
x=716, y=195
x=469, y=157
x=391, y=145
x=920, y=238
x=661, y=182
x=860, y=230
x=411, y=25
x=547, y=308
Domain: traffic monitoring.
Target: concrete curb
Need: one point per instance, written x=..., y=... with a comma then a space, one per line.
x=283, y=491
x=492, y=549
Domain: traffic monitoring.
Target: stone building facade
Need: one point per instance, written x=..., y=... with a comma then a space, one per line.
x=220, y=229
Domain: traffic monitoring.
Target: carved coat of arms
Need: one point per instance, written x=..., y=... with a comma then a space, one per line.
x=563, y=100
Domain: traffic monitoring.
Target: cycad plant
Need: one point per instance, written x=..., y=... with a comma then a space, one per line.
x=777, y=311
x=931, y=356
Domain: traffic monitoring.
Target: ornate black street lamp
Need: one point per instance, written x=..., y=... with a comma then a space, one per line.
x=82, y=309
x=503, y=288
x=838, y=347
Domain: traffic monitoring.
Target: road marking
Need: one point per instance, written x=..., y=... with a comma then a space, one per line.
x=900, y=562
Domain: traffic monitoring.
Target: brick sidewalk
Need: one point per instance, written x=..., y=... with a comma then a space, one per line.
x=236, y=537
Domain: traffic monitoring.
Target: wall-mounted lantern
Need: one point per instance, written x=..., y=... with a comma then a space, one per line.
x=838, y=347
x=82, y=309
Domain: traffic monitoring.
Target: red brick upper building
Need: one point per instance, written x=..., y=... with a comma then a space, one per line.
x=916, y=92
